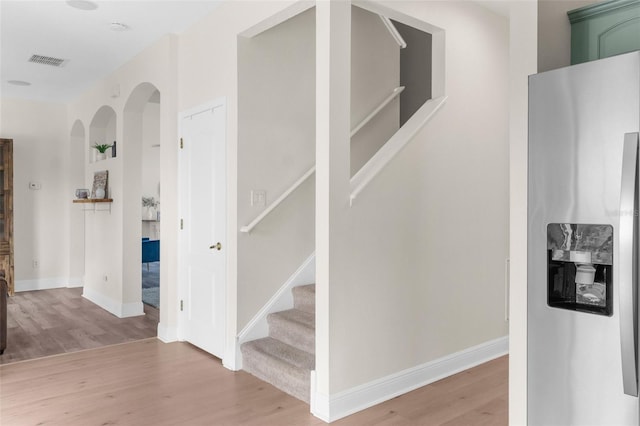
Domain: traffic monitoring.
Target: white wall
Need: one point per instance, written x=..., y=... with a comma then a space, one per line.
x=113, y=238
x=428, y=239
x=208, y=69
x=554, y=32
x=103, y=240
x=523, y=50
x=77, y=148
x=333, y=126
x=276, y=146
x=41, y=226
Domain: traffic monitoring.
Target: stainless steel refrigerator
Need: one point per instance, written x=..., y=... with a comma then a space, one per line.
x=582, y=349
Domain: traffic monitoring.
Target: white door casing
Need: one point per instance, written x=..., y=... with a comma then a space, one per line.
x=202, y=186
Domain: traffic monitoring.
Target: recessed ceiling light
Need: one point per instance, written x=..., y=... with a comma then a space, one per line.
x=118, y=26
x=19, y=83
x=82, y=4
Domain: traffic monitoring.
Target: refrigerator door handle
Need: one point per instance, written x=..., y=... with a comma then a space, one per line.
x=627, y=236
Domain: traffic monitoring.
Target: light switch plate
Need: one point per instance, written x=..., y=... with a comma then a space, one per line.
x=258, y=198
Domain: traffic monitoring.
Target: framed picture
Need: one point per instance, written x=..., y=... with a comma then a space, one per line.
x=100, y=184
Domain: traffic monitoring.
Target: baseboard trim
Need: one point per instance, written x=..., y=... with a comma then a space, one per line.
x=233, y=366
x=75, y=282
x=334, y=407
x=167, y=334
x=117, y=308
x=41, y=284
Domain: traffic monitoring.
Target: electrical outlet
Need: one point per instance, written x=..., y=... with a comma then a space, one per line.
x=35, y=264
x=35, y=186
x=258, y=198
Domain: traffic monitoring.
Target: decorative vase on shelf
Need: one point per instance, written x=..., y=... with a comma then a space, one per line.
x=82, y=194
x=149, y=208
x=101, y=156
x=150, y=214
x=100, y=193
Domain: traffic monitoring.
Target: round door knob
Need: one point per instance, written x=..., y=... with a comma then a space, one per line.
x=216, y=246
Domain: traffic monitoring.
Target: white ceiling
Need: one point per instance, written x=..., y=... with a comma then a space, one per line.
x=53, y=28
x=84, y=38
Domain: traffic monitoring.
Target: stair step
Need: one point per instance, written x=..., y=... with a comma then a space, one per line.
x=284, y=366
x=304, y=298
x=295, y=328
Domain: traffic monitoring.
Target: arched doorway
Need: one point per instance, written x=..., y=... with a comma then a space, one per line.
x=141, y=174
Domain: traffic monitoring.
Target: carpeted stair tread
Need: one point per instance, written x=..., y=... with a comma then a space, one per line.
x=286, y=353
x=294, y=327
x=284, y=366
x=285, y=358
x=304, y=298
x=305, y=319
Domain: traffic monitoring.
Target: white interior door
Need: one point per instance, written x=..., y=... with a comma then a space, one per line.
x=203, y=223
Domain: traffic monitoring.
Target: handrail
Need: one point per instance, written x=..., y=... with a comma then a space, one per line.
x=380, y=159
x=394, y=31
x=280, y=199
x=373, y=113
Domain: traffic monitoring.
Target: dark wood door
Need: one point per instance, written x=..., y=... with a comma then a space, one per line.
x=6, y=211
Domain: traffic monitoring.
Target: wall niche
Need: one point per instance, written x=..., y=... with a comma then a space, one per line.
x=102, y=131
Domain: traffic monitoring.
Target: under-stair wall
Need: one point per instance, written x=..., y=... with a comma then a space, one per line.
x=276, y=145
x=282, y=300
x=421, y=252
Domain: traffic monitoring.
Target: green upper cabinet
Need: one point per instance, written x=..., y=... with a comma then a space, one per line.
x=604, y=29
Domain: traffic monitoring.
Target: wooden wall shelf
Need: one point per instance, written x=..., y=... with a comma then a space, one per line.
x=93, y=200
x=93, y=204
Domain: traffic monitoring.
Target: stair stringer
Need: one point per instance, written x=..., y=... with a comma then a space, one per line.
x=282, y=300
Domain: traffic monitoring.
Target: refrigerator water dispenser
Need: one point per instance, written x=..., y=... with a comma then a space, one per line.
x=580, y=267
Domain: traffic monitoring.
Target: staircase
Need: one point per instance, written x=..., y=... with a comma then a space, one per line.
x=285, y=358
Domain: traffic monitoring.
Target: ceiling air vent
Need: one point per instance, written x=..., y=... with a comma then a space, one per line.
x=47, y=60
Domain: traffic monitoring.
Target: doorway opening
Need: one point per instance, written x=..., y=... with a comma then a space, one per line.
x=151, y=202
x=141, y=214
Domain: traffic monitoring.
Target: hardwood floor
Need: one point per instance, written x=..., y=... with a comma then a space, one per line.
x=152, y=383
x=49, y=322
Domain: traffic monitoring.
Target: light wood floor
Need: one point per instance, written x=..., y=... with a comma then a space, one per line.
x=152, y=383
x=47, y=322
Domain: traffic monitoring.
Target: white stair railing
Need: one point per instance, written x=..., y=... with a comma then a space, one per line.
x=393, y=31
x=300, y=181
x=389, y=150
x=379, y=108
x=280, y=199
x=395, y=93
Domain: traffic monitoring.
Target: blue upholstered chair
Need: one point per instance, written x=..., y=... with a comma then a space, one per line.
x=150, y=251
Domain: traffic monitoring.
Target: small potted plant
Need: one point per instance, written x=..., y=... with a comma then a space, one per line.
x=102, y=148
x=150, y=204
